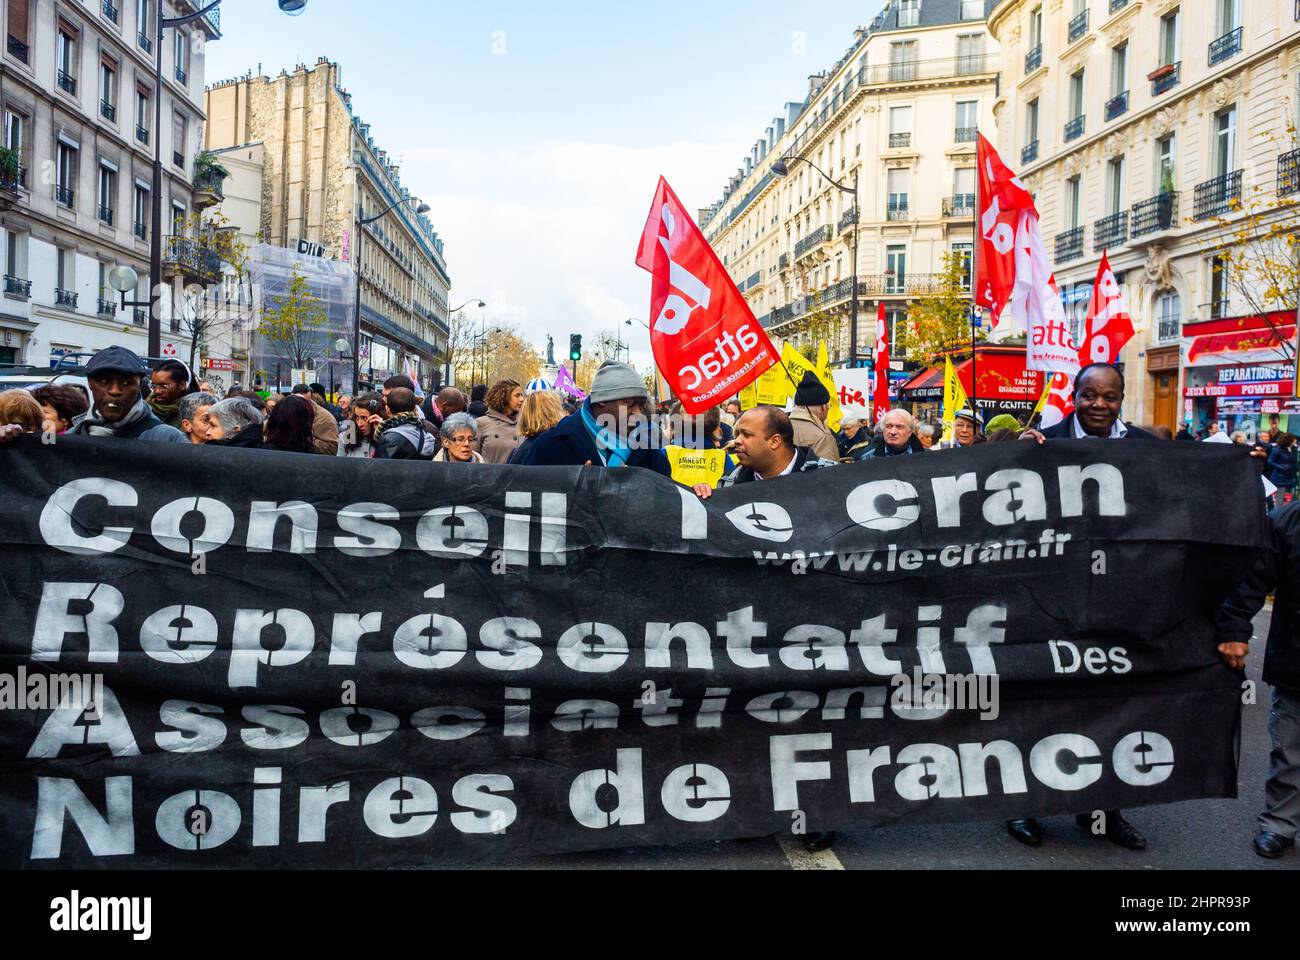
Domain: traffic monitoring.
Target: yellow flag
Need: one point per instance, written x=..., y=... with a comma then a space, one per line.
x=749, y=396
x=691, y=467
x=954, y=398
x=796, y=364
x=1042, y=401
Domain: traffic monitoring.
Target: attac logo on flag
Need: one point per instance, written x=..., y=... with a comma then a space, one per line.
x=1014, y=277
x=706, y=340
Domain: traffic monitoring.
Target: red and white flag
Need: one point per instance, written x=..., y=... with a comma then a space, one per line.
x=1014, y=278
x=880, y=394
x=706, y=341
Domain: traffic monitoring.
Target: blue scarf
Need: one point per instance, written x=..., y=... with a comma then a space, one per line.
x=612, y=453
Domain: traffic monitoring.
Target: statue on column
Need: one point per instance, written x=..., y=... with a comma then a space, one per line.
x=550, y=350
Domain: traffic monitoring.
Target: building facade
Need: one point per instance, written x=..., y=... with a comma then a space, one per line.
x=1154, y=130
x=77, y=86
x=321, y=173
x=899, y=114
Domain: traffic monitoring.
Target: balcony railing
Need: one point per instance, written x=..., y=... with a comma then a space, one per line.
x=901, y=71
x=1288, y=173
x=849, y=218
x=966, y=134
x=138, y=229
x=106, y=214
x=783, y=262
x=18, y=287
x=1155, y=214
x=64, y=195
x=107, y=111
x=1168, y=79
x=1110, y=231
x=110, y=11
x=1226, y=47
x=1069, y=245
x=180, y=76
x=1218, y=196
x=145, y=43
x=961, y=206
x=67, y=83
x=178, y=158
x=897, y=208
x=812, y=241
x=138, y=317
x=1117, y=105
x=1029, y=152
x=1170, y=328
x=1074, y=129
x=1117, y=5
x=18, y=49
x=11, y=184
x=753, y=281
x=65, y=298
x=142, y=134
x=1078, y=26
x=105, y=308
x=1034, y=59
x=899, y=140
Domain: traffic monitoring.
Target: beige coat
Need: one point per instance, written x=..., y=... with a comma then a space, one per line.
x=811, y=432
x=324, y=431
x=498, y=437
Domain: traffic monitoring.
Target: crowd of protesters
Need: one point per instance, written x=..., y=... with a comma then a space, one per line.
x=617, y=425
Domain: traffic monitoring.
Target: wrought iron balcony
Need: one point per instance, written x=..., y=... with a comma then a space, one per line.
x=966, y=134
x=138, y=317
x=65, y=298
x=1168, y=77
x=145, y=43
x=1074, y=129
x=1117, y=5
x=754, y=280
x=899, y=140
x=138, y=229
x=180, y=76
x=1170, y=328
x=18, y=49
x=11, y=184
x=142, y=134
x=64, y=195
x=783, y=262
x=106, y=214
x=1034, y=59
x=1155, y=214
x=961, y=206
x=812, y=242
x=1117, y=105
x=105, y=308
x=178, y=158
x=849, y=218
x=110, y=11
x=1288, y=170
x=1029, y=152
x=191, y=257
x=107, y=111
x=897, y=209
x=18, y=287
x=1078, y=26
x=1218, y=196
x=902, y=70
x=1226, y=47
x=1069, y=245
x=1110, y=231
x=67, y=83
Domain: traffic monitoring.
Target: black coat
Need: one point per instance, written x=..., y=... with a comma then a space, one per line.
x=1278, y=569
x=569, y=444
x=249, y=437
x=1065, y=431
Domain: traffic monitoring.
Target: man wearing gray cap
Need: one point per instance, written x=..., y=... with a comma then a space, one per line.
x=612, y=428
x=118, y=409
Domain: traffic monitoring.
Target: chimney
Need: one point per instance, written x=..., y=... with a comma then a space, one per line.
x=778, y=127
x=792, y=111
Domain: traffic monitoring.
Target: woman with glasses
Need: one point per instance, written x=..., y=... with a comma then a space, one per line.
x=459, y=433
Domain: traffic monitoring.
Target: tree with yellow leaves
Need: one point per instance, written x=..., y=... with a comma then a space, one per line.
x=939, y=323
x=296, y=323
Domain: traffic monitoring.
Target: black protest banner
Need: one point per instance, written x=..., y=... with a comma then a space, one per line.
x=308, y=661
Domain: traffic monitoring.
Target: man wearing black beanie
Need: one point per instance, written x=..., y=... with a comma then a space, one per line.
x=812, y=404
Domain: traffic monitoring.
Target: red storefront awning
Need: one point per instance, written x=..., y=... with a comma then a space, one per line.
x=925, y=380
x=1258, y=345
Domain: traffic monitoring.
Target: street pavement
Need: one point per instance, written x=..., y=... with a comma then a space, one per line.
x=1202, y=834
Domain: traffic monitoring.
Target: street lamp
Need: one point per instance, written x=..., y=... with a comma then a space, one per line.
x=781, y=168
x=356, y=307
x=652, y=361
x=290, y=7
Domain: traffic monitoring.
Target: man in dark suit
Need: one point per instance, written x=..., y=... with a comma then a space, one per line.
x=1098, y=399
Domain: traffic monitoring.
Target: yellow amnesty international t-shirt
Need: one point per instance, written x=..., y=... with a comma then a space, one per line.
x=692, y=467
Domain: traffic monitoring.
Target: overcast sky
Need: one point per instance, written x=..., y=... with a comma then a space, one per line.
x=537, y=131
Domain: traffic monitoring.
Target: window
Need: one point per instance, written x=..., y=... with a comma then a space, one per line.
x=900, y=127
x=1227, y=16
x=1169, y=311
x=1165, y=154
x=972, y=9
x=108, y=89
x=65, y=260
x=178, y=140
x=15, y=138
x=909, y=13
x=1031, y=122
x=967, y=120
x=1169, y=37
x=1076, y=94
x=146, y=24
x=902, y=60
x=970, y=53
x=142, y=114
x=961, y=252
x=66, y=173
x=18, y=30
x=1072, y=202
x=1036, y=27
x=1119, y=69
x=1115, y=185
x=1218, y=288
x=895, y=268
x=898, y=182
x=107, y=192
x=178, y=220
x=963, y=187
x=1225, y=141
x=65, y=58
x=181, y=52
x=140, y=214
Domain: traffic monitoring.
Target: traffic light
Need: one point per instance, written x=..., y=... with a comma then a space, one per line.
x=575, y=347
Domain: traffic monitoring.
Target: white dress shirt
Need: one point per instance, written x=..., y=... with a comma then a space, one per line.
x=1118, y=430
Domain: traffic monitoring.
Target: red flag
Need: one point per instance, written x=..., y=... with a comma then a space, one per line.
x=1109, y=326
x=706, y=341
x=880, y=396
x=1002, y=200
